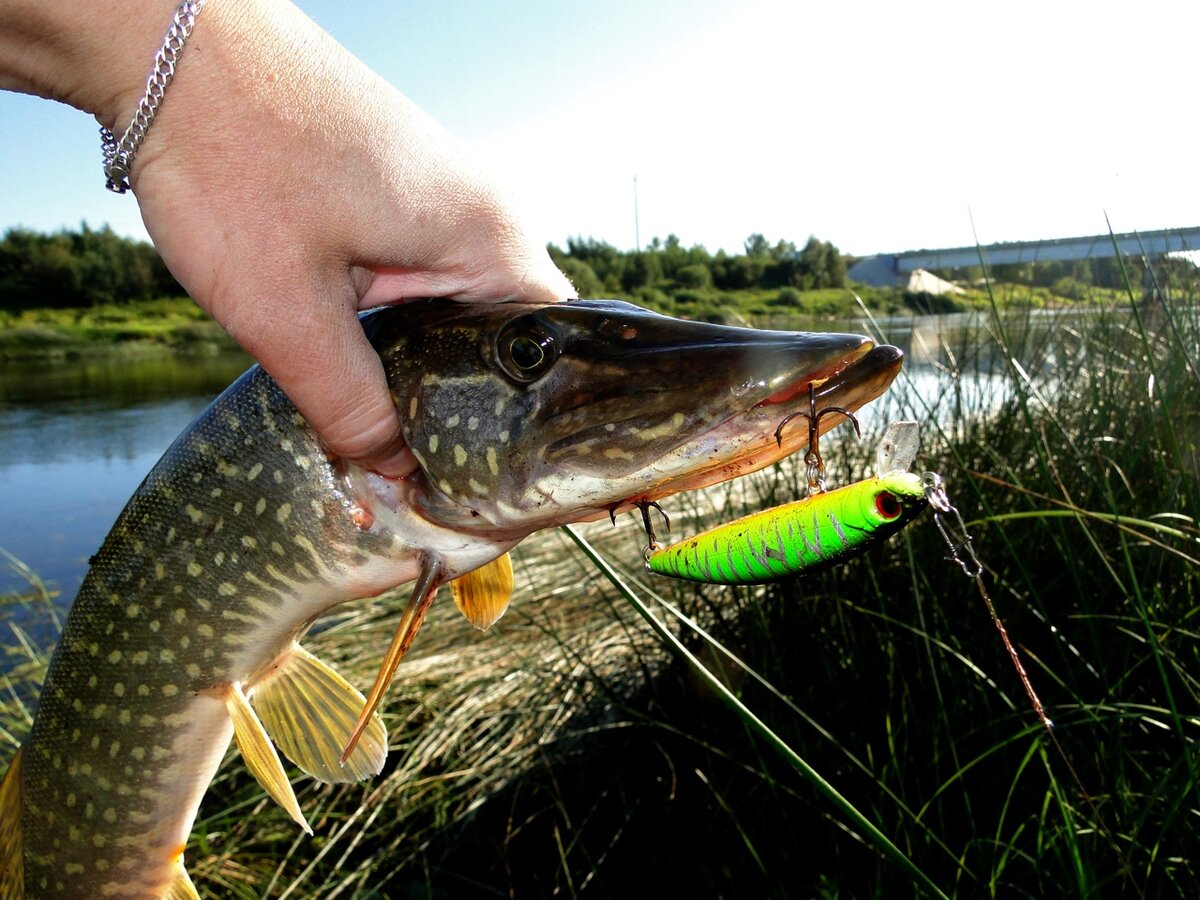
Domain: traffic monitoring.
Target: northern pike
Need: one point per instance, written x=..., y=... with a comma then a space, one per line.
x=185, y=631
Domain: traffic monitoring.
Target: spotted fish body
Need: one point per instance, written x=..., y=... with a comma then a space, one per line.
x=795, y=538
x=185, y=631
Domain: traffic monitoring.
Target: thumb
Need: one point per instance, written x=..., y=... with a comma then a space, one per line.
x=331, y=373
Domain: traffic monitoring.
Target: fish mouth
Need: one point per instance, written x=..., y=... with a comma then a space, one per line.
x=746, y=442
x=819, y=378
x=850, y=384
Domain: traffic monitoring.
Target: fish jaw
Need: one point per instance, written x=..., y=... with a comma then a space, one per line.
x=752, y=440
x=524, y=416
x=747, y=440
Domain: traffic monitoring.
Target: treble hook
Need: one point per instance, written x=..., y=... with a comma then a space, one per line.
x=815, y=465
x=644, y=507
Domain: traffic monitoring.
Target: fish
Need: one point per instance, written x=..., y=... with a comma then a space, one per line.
x=797, y=538
x=186, y=632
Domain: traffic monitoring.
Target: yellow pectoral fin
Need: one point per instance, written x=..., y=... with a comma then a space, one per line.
x=12, y=865
x=259, y=754
x=484, y=594
x=181, y=887
x=309, y=710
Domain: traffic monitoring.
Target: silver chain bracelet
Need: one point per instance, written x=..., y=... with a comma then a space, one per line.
x=118, y=157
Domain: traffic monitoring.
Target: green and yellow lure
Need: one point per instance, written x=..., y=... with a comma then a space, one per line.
x=799, y=537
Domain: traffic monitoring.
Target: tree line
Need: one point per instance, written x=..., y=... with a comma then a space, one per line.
x=80, y=268
x=598, y=269
x=89, y=266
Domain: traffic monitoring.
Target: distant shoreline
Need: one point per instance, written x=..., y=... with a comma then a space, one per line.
x=178, y=325
x=168, y=325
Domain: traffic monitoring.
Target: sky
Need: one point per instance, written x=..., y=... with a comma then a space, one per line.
x=879, y=126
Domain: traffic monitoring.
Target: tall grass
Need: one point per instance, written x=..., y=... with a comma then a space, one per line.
x=568, y=753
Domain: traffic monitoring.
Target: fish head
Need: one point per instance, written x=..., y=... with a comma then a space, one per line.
x=524, y=416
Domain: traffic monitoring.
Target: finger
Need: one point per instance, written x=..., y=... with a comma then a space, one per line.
x=334, y=377
x=388, y=285
x=532, y=278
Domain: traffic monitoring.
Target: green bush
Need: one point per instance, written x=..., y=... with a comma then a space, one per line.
x=692, y=299
x=1070, y=288
x=586, y=284
x=653, y=298
x=925, y=303
x=789, y=297
x=696, y=277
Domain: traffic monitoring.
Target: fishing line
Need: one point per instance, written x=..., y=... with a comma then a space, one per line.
x=954, y=532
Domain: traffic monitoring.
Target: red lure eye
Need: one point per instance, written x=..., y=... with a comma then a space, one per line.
x=887, y=505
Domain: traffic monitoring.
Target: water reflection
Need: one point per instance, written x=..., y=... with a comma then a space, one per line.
x=114, y=380
x=76, y=438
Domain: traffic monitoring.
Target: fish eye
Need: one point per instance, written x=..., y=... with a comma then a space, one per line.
x=887, y=505
x=526, y=350
x=526, y=353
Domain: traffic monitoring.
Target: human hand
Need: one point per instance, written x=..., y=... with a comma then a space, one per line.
x=287, y=187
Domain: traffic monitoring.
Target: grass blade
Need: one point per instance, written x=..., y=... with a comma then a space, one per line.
x=867, y=829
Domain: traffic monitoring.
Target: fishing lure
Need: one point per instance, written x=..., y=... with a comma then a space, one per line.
x=819, y=531
x=806, y=535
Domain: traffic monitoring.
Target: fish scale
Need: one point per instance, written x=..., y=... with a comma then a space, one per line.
x=140, y=648
x=185, y=631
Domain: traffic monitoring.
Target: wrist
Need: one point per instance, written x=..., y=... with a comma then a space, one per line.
x=248, y=65
x=95, y=61
x=119, y=154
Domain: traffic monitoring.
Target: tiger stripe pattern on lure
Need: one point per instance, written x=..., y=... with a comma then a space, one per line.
x=796, y=538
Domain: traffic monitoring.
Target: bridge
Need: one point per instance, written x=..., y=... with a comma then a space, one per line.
x=896, y=268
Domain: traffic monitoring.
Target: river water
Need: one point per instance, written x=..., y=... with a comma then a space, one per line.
x=76, y=439
x=78, y=436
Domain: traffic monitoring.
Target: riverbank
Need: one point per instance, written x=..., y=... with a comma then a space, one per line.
x=177, y=325
x=167, y=325
x=755, y=305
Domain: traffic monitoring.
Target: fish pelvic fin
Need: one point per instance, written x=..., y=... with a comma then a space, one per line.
x=309, y=710
x=259, y=753
x=12, y=864
x=430, y=579
x=483, y=595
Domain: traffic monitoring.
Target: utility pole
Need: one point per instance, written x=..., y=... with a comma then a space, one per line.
x=637, y=233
